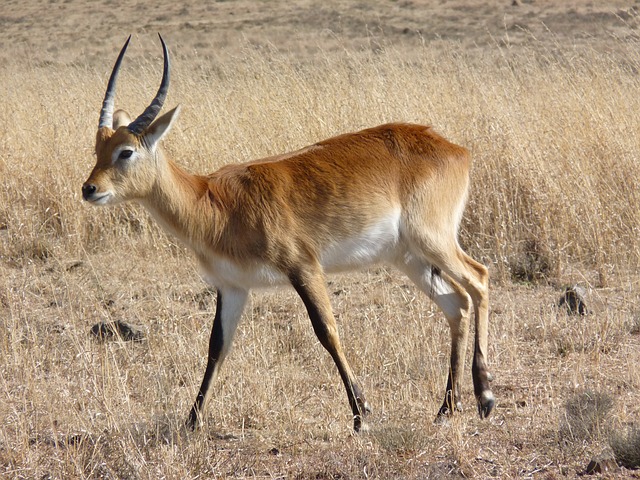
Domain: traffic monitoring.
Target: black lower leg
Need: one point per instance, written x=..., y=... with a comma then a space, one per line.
x=216, y=344
x=192, y=421
x=481, y=379
x=358, y=403
x=451, y=402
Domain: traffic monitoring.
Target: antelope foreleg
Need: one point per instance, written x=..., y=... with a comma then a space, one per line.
x=229, y=308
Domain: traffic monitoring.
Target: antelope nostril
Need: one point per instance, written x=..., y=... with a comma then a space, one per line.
x=88, y=189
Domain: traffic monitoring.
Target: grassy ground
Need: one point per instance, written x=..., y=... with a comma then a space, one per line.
x=553, y=128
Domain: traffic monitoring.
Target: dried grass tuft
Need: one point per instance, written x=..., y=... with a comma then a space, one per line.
x=586, y=416
x=626, y=447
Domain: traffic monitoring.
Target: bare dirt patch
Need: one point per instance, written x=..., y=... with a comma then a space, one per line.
x=77, y=31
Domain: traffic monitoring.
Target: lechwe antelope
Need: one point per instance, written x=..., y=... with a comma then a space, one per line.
x=393, y=193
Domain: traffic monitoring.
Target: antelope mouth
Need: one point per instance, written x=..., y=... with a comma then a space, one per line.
x=99, y=198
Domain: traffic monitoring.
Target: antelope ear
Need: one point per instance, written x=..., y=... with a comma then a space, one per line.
x=160, y=128
x=120, y=118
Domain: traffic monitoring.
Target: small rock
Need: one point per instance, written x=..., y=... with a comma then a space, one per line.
x=74, y=265
x=204, y=298
x=601, y=464
x=104, y=331
x=573, y=300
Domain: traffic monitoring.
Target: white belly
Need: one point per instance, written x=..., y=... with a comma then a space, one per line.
x=221, y=272
x=376, y=244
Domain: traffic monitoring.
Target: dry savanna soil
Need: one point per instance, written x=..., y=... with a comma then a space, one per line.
x=545, y=95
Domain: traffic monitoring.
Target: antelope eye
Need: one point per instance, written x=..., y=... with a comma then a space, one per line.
x=124, y=154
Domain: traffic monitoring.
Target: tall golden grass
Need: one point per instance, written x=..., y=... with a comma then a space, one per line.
x=554, y=136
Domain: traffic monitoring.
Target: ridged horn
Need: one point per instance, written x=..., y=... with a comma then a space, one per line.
x=141, y=123
x=106, y=114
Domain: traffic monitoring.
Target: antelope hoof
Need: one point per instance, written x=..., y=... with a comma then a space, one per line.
x=365, y=409
x=446, y=412
x=486, y=402
x=193, y=422
x=442, y=419
x=191, y=425
x=359, y=426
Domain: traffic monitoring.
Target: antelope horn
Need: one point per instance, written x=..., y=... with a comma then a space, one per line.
x=141, y=123
x=106, y=114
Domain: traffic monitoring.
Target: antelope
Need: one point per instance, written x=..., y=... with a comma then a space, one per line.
x=391, y=194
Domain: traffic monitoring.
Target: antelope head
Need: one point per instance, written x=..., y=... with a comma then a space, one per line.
x=128, y=153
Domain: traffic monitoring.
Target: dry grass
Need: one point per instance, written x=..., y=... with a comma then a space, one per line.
x=554, y=134
x=626, y=447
